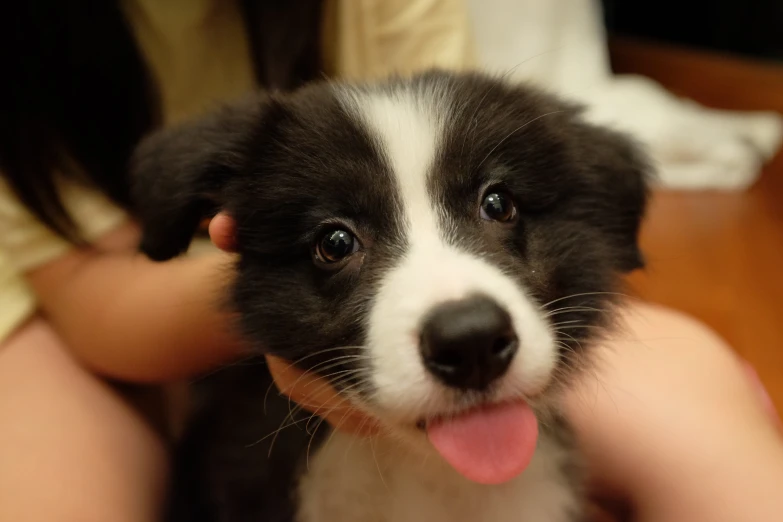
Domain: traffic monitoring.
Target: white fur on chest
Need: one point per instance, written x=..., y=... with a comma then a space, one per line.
x=351, y=480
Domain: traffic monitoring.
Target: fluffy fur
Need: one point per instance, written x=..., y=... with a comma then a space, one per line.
x=404, y=167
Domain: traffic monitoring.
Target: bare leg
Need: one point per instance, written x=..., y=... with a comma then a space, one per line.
x=71, y=449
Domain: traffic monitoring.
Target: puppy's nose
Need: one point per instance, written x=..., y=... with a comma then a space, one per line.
x=468, y=344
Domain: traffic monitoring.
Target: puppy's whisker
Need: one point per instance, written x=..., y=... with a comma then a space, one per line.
x=565, y=346
x=293, y=411
x=572, y=309
x=337, y=427
x=344, y=392
x=354, y=439
x=336, y=383
x=573, y=339
x=563, y=323
x=583, y=294
x=583, y=326
x=323, y=351
x=473, y=121
x=283, y=426
x=378, y=465
x=346, y=377
x=312, y=436
x=314, y=354
x=514, y=132
x=232, y=364
x=317, y=372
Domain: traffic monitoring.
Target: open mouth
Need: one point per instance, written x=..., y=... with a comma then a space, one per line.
x=490, y=444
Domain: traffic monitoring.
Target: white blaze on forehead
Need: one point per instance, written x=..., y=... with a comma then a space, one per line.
x=408, y=127
x=407, y=130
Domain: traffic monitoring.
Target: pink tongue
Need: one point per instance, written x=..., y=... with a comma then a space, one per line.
x=491, y=445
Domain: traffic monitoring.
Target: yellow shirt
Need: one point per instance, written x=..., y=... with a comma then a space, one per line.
x=199, y=56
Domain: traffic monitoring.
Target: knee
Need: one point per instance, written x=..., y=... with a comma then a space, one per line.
x=71, y=448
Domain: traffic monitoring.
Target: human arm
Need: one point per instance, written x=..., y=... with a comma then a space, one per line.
x=126, y=317
x=671, y=424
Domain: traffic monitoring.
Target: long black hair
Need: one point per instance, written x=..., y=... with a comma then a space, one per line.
x=76, y=95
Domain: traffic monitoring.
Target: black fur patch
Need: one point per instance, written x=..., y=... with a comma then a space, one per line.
x=243, y=450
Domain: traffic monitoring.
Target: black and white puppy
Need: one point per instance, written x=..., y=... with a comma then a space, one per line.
x=443, y=249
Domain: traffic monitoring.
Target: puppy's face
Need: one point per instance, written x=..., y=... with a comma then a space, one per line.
x=427, y=245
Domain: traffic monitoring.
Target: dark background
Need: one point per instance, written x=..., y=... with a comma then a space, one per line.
x=752, y=28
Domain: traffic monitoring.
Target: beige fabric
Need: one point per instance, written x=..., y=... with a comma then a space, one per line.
x=197, y=50
x=26, y=243
x=371, y=39
x=16, y=300
x=199, y=56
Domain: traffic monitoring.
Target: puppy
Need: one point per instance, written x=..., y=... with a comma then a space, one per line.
x=443, y=249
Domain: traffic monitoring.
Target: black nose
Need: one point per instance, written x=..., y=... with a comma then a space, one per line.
x=467, y=344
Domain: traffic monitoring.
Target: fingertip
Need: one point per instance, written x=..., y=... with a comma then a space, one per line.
x=222, y=232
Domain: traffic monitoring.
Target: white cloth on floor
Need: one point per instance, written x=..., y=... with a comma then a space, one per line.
x=561, y=45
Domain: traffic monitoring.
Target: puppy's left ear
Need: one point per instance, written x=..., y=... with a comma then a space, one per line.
x=178, y=175
x=618, y=174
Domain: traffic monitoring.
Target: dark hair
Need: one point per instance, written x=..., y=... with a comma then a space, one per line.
x=76, y=94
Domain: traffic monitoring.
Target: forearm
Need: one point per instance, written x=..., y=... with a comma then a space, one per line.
x=742, y=481
x=719, y=455
x=130, y=318
x=672, y=425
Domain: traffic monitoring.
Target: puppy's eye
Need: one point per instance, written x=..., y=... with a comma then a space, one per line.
x=335, y=245
x=498, y=206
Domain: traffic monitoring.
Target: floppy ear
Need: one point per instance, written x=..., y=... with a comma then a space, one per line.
x=619, y=175
x=177, y=175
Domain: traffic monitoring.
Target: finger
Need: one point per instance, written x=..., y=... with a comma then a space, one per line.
x=317, y=396
x=222, y=232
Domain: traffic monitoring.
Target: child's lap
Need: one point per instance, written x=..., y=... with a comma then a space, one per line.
x=70, y=447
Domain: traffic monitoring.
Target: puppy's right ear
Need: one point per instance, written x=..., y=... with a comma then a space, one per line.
x=178, y=175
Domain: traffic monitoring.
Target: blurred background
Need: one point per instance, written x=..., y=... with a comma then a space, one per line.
x=716, y=255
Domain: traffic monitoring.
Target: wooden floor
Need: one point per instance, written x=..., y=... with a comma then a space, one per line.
x=719, y=256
